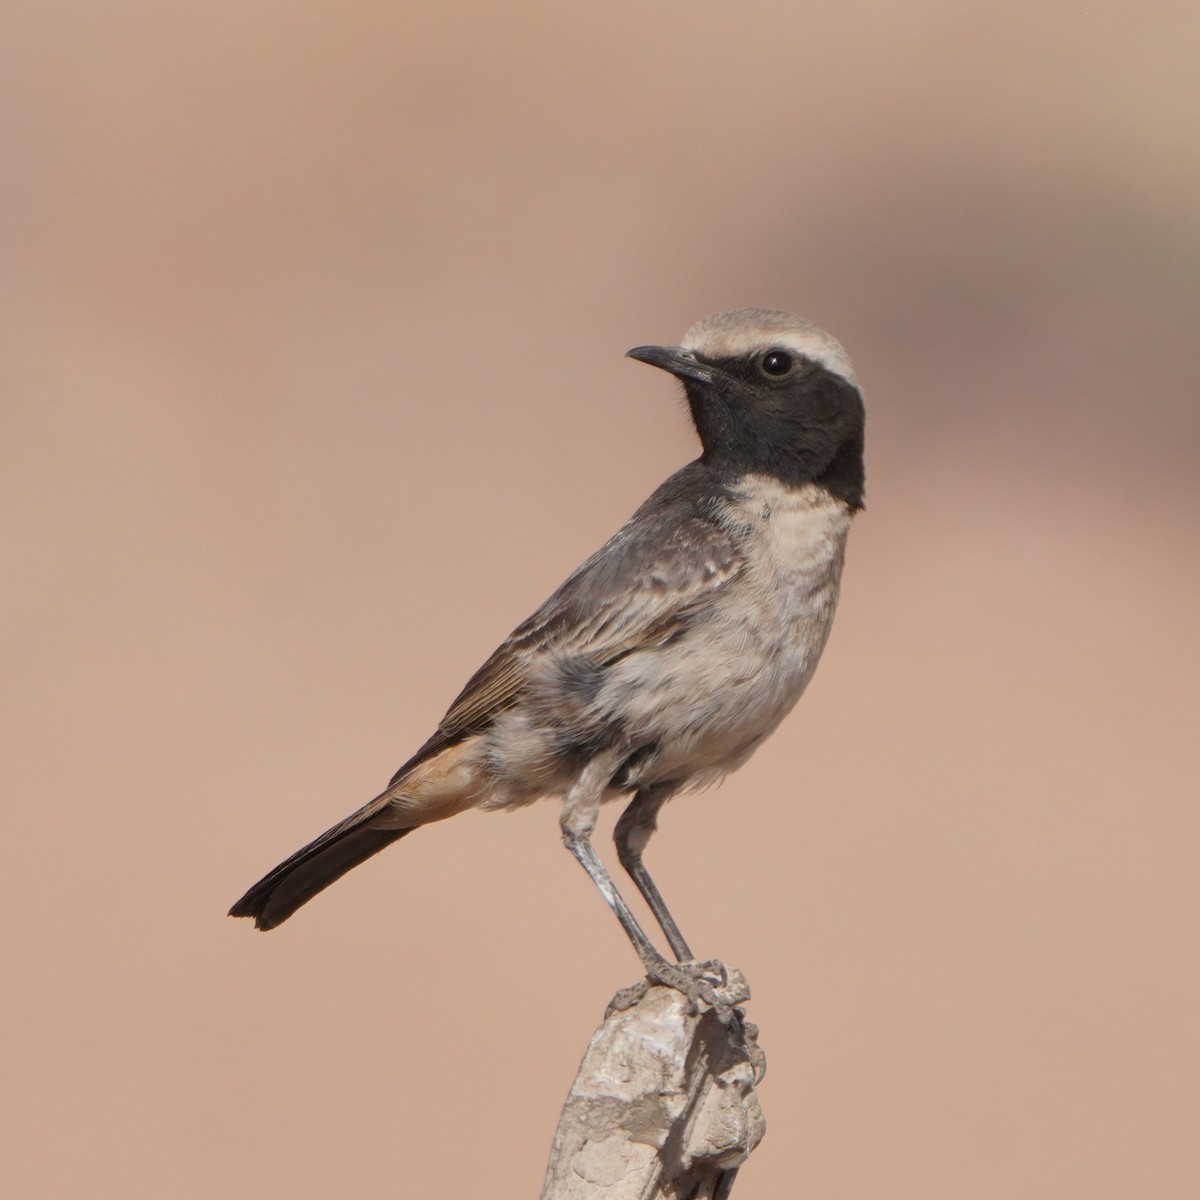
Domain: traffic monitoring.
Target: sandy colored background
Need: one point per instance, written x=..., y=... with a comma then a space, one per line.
x=312, y=387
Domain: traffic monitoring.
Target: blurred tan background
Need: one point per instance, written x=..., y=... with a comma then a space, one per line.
x=312, y=388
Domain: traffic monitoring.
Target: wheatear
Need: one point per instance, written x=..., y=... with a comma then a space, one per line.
x=666, y=658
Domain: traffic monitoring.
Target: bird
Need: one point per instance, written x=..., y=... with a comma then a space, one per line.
x=668, y=656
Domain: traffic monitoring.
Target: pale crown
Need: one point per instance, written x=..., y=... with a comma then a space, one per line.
x=747, y=331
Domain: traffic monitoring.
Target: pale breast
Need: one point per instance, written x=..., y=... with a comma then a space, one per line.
x=793, y=542
x=707, y=700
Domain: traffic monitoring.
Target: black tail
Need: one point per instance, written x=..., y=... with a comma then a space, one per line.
x=276, y=896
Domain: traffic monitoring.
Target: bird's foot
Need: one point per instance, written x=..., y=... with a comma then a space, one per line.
x=698, y=981
x=627, y=997
x=713, y=968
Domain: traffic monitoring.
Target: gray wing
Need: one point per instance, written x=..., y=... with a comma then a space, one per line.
x=640, y=589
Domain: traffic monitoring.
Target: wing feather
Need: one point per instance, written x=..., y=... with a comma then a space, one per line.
x=637, y=591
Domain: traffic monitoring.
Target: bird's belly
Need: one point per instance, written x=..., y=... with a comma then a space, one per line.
x=704, y=702
x=697, y=705
x=703, y=705
x=690, y=712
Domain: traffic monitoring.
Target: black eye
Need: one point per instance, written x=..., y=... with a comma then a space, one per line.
x=776, y=362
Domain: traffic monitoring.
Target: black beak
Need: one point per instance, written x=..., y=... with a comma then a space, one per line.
x=680, y=362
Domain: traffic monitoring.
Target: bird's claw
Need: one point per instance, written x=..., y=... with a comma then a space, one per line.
x=707, y=986
x=697, y=981
x=627, y=997
x=713, y=968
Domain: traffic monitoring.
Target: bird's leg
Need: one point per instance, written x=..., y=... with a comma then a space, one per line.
x=633, y=831
x=580, y=809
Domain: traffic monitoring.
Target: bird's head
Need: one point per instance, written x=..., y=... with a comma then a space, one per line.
x=770, y=394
